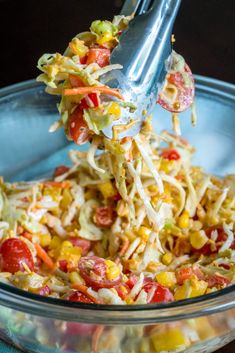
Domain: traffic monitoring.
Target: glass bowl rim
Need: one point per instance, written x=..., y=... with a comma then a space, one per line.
x=34, y=304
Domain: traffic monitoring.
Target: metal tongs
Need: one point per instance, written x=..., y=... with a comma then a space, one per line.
x=144, y=51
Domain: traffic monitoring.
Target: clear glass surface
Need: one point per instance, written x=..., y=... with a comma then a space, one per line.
x=38, y=324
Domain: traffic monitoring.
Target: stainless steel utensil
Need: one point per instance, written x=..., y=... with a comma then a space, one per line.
x=144, y=52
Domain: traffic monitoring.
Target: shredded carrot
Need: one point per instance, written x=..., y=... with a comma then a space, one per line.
x=95, y=339
x=91, y=89
x=20, y=229
x=27, y=235
x=44, y=256
x=64, y=184
x=80, y=287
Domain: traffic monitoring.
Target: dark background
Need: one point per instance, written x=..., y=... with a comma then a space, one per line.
x=204, y=31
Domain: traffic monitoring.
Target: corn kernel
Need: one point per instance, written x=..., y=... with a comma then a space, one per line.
x=144, y=232
x=192, y=289
x=198, y=287
x=106, y=37
x=167, y=258
x=53, y=192
x=90, y=194
x=153, y=188
x=167, y=279
x=55, y=242
x=169, y=340
x=66, y=244
x=112, y=271
x=78, y=47
x=45, y=239
x=198, y=239
x=66, y=199
x=154, y=200
x=107, y=189
x=213, y=220
x=115, y=109
x=182, y=292
x=183, y=221
x=166, y=165
x=75, y=278
x=129, y=300
x=43, y=220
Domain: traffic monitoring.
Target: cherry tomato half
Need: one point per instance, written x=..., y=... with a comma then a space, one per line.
x=218, y=281
x=100, y=56
x=13, y=254
x=176, y=96
x=78, y=128
x=93, y=270
x=161, y=294
x=79, y=297
x=208, y=249
x=44, y=291
x=104, y=216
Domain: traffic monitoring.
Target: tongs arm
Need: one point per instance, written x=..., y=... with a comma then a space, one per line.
x=146, y=44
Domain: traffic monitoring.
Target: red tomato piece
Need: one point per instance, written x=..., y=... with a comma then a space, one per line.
x=176, y=86
x=78, y=128
x=161, y=294
x=183, y=274
x=122, y=290
x=84, y=244
x=131, y=281
x=104, y=216
x=79, y=297
x=83, y=60
x=13, y=254
x=94, y=271
x=90, y=101
x=218, y=281
x=208, y=249
x=63, y=265
x=99, y=56
x=171, y=155
x=61, y=169
x=44, y=291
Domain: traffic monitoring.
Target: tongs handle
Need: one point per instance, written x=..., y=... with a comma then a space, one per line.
x=146, y=44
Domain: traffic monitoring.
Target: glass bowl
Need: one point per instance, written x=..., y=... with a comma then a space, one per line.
x=39, y=324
